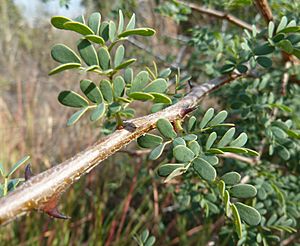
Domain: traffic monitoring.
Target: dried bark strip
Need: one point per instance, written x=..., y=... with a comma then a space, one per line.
x=46, y=188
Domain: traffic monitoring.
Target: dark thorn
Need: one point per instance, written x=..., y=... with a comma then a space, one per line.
x=190, y=84
x=186, y=111
x=56, y=214
x=28, y=172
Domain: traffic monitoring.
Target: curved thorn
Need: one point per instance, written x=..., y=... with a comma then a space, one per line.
x=28, y=172
x=56, y=214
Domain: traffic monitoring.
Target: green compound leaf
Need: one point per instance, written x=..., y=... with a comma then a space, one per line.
x=219, y=118
x=118, y=86
x=106, y=89
x=137, y=31
x=75, y=117
x=264, y=61
x=128, y=75
x=243, y=191
x=237, y=220
x=240, y=141
x=248, y=214
x=63, y=54
x=91, y=91
x=104, y=58
x=209, y=114
x=159, y=85
x=59, y=21
x=131, y=23
x=119, y=55
x=264, y=49
x=98, y=112
x=210, y=140
x=125, y=64
x=183, y=153
x=121, y=22
x=178, y=141
x=149, y=141
x=166, y=169
x=112, y=31
x=72, y=99
x=104, y=30
x=157, y=151
x=64, y=67
x=161, y=98
x=94, y=22
x=226, y=139
x=17, y=165
x=165, y=128
x=78, y=27
x=195, y=147
x=231, y=178
x=142, y=96
x=204, y=169
x=87, y=52
x=139, y=82
x=95, y=39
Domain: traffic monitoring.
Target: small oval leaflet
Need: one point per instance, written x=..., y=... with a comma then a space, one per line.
x=106, y=90
x=219, y=118
x=231, y=178
x=264, y=61
x=204, y=169
x=240, y=141
x=137, y=31
x=158, y=85
x=210, y=140
x=94, y=22
x=63, y=67
x=87, y=52
x=59, y=21
x=78, y=27
x=72, y=99
x=118, y=86
x=237, y=220
x=91, y=91
x=139, y=82
x=76, y=116
x=178, y=141
x=63, y=54
x=161, y=98
x=227, y=137
x=98, y=112
x=156, y=152
x=141, y=96
x=119, y=55
x=165, y=128
x=104, y=58
x=209, y=114
x=166, y=169
x=149, y=140
x=95, y=39
x=243, y=191
x=183, y=153
x=248, y=214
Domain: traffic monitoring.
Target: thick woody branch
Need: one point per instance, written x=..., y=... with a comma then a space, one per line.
x=265, y=10
x=219, y=14
x=42, y=192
